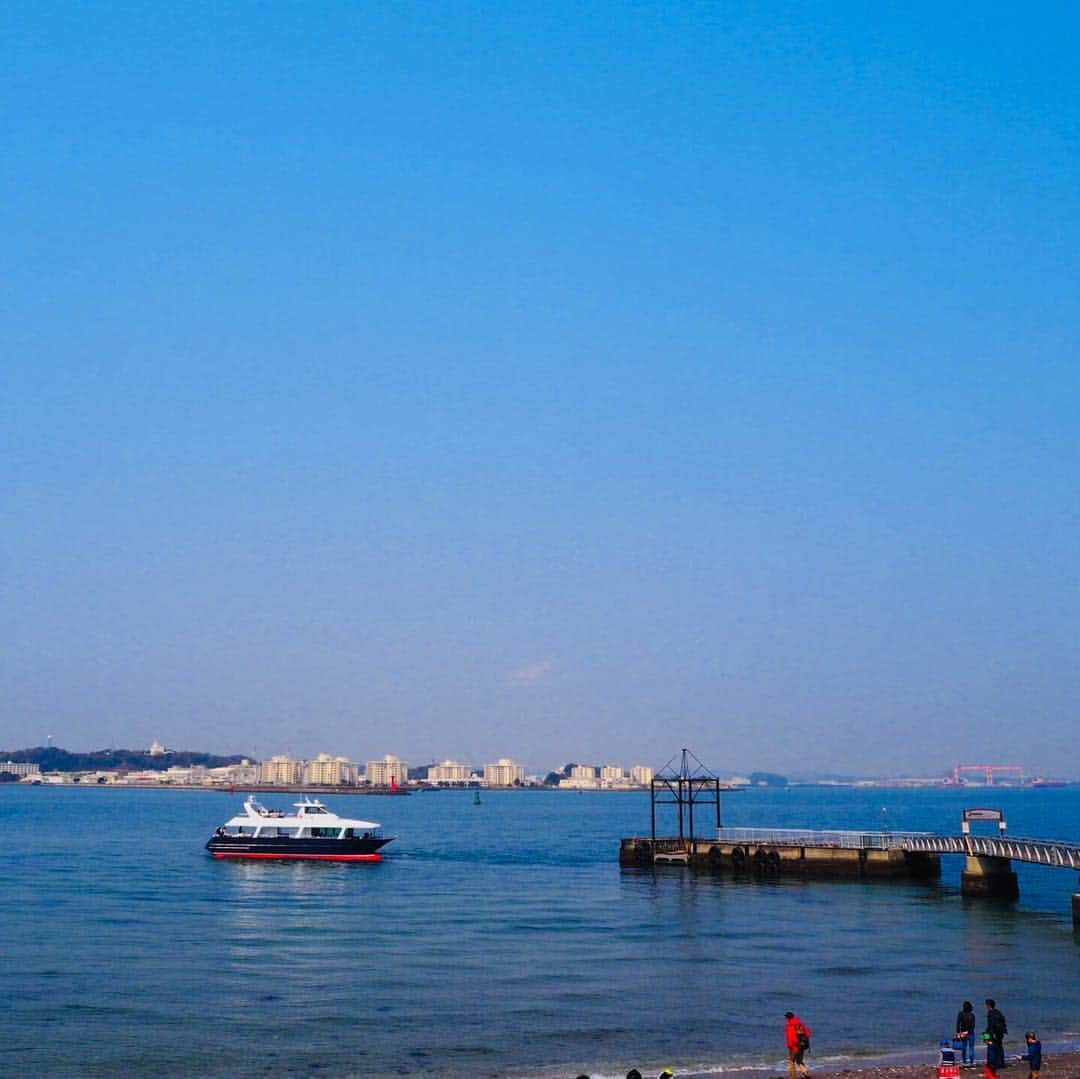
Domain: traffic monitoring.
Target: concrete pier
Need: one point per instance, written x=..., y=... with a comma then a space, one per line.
x=882, y=855
x=782, y=859
x=995, y=877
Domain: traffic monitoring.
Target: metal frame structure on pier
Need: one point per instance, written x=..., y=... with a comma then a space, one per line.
x=692, y=785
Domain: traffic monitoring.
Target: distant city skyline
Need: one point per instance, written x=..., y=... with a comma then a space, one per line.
x=978, y=774
x=487, y=379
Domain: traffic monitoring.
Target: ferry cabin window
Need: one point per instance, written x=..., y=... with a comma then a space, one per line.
x=284, y=831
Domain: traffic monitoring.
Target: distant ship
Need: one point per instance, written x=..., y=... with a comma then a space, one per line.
x=1042, y=781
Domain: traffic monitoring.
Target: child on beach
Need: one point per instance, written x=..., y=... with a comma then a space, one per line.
x=1034, y=1054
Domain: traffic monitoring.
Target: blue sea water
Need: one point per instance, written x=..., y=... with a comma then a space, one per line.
x=499, y=940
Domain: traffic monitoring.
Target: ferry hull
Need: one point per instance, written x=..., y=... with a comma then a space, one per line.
x=278, y=857
x=286, y=849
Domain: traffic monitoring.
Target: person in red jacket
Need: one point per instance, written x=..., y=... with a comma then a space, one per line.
x=797, y=1035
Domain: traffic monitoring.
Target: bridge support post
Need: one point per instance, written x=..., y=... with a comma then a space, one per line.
x=994, y=877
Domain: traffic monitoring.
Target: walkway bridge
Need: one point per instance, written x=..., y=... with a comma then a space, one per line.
x=1013, y=848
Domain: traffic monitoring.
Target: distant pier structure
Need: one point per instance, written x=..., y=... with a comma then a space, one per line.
x=694, y=793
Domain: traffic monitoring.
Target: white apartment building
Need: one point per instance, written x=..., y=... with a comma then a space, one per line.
x=582, y=778
x=504, y=773
x=606, y=777
x=387, y=772
x=20, y=769
x=583, y=783
x=179, y=775
x=327, y=771
x=230, y=774
x=449, y=774
x=281, y=770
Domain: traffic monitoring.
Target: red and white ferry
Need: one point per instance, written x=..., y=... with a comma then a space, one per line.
x=313, y=833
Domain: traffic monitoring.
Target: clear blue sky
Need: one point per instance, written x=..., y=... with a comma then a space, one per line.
x=562, y=381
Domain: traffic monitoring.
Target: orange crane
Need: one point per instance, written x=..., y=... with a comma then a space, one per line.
x=989, y=771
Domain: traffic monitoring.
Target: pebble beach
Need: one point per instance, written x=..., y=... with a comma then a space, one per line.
x=1056, y=1065
x=1059, y=1065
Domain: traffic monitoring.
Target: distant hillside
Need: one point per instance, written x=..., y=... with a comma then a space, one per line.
x=53, y=759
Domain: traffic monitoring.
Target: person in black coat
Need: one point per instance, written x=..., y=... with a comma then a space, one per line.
x=996, y=1029
x=965, y=1032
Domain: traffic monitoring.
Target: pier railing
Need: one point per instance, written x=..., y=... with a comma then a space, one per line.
x=804, y=837
x=1038, y=851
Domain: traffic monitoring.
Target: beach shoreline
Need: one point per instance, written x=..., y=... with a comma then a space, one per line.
x=1057, y=1064
x=1062, y=1065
